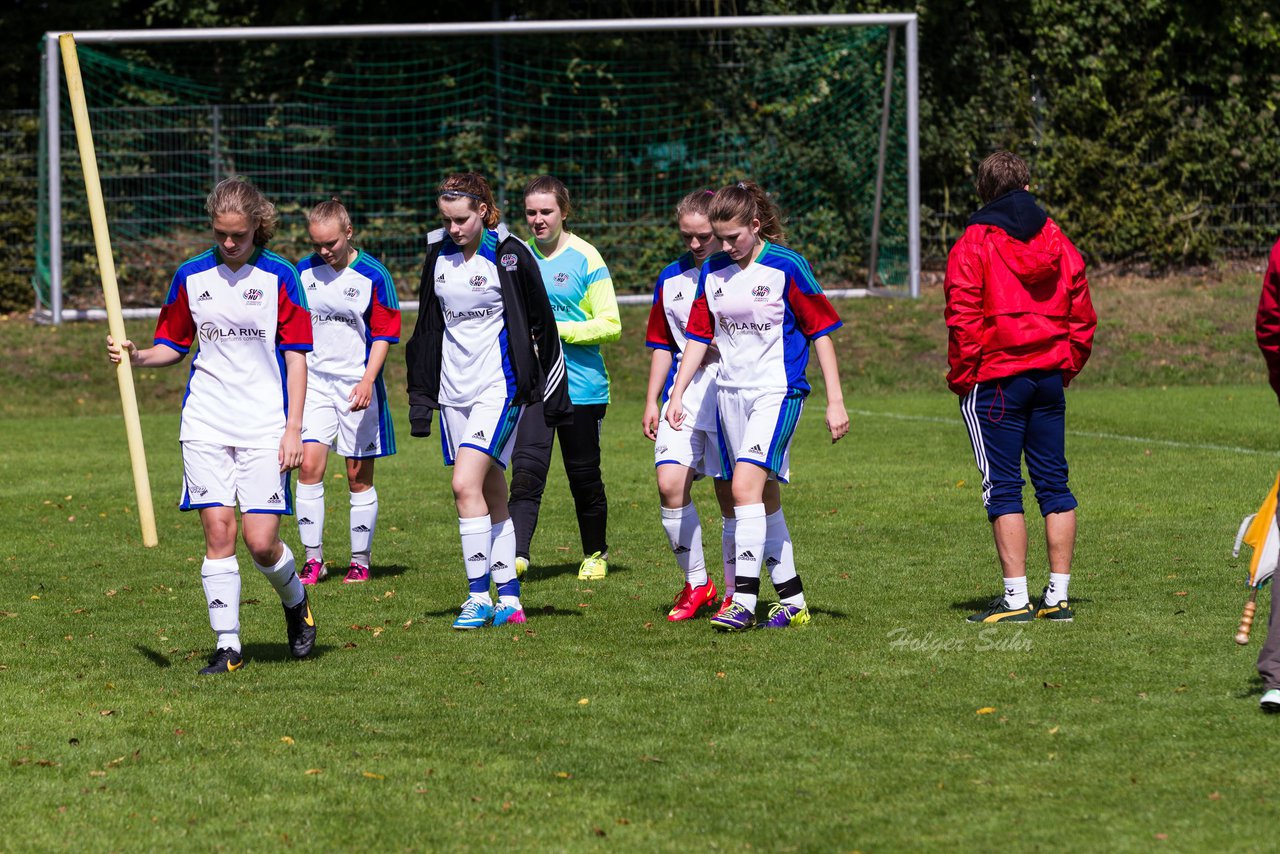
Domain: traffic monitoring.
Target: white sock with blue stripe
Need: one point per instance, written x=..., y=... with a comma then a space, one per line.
x=477, y=536
x=502, y=562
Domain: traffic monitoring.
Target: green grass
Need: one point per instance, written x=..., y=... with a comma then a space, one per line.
x=1134, y=727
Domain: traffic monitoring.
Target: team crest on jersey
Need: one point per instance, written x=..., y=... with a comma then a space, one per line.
x=253, y=296
x=561, y=278
x=478, y=282
x=352, y=294
x=760, y=292
x=509, y=261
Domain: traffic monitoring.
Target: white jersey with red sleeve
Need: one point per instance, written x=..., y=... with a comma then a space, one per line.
x=350, y=309
x=762, y=318
x=244, y=320
x=673, y=296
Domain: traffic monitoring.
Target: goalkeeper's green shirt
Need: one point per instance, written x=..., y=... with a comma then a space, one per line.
x=581, y=293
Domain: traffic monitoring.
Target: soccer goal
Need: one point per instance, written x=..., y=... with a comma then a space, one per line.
x=632, y=114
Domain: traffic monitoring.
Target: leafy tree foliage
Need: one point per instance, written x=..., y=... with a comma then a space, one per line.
x=1150, y=124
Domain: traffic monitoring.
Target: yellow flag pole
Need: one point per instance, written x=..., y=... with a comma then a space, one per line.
x=110, y=291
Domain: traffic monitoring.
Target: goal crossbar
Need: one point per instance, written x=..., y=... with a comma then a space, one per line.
x=907, y=21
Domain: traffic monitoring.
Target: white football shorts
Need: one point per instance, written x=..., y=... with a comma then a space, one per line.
x=488, y=426
x=692, y=448
x=215, y=475
x=326, y=418
x=757, y=427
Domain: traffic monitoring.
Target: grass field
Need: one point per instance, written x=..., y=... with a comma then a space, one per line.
x=889, y=724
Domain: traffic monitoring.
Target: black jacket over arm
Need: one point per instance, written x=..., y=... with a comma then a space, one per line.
x=533, y=342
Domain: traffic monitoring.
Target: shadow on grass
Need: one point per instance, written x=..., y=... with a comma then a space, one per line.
x=393, y=571
x=159, y=659
x=1256, y=689
x=827, y=612
x=553, y=570
x=277, y=652
x=975, y=605
x=257, y=652
x=762, y=610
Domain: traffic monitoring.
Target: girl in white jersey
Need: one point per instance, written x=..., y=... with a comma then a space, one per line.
x=682, y=456
x=762, y=306
x=243, y=303
x=355, y=318
x=483, y=350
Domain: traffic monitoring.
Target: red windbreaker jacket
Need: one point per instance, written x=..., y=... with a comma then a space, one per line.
x=1268, y=322
x=1015, y=306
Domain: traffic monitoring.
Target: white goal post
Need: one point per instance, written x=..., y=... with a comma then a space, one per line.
x=906, y=22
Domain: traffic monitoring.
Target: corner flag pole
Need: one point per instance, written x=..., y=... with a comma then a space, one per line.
x=107, y=267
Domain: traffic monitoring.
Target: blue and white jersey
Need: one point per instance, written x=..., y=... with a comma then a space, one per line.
x=244, y=320
x=350, y=309
x=474, y=363
x=762, y=318
x=673, y=297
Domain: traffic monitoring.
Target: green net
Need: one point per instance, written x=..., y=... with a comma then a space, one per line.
x=631, y=122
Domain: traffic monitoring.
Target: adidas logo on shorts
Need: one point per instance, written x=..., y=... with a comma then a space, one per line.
x=217, y=603
x=477, y=556
x=755, y=449
x=747, y=555
x=479, y=434
x=275, y=499
x=360, y=529
x=205, y=296
x=372, y=446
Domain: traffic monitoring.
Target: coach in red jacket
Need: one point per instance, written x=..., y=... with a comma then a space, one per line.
x=1020, y=327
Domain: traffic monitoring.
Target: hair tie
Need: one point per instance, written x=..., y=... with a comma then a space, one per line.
x=462, y=193
x=741, y=186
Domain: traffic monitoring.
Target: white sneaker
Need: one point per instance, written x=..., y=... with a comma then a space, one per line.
x=1270, y=701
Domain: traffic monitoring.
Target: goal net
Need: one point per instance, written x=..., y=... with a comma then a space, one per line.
x=631, y=120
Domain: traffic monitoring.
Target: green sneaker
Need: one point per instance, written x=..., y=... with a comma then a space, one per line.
x=998, y=612
x=593, y=568
x=522, y=566
x=1061, y=612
